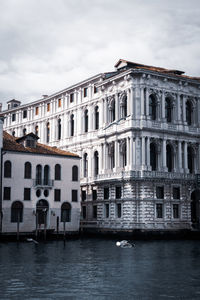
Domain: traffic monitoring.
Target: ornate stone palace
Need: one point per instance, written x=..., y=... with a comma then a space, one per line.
x=137, y=130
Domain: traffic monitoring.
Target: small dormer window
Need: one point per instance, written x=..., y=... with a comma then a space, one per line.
x=30, y=143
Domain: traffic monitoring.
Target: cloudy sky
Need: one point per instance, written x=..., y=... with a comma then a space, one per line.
x=47, y=45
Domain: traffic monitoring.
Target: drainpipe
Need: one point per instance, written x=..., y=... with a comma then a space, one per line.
x=1, y=170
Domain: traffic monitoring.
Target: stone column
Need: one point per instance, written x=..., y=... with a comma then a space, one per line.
x=180, y=164
x=164, y=150
x=116, y=154
x=185, y=157
x=142, y=102
x=163, y=106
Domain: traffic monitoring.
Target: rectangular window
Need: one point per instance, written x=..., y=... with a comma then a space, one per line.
x=27, y=194
x=13, y=117
x=83, y=195
x=159, y=210
x=94, y=195
x=106, y=193
x=175, y=211
x=6, y=193
x=84, y=212
x=74, y=195
x=85, y=92
x=118, y=192
x=95, y=89
x=176, y=192
x=160, y=192
x=95, y=212
x=107, y=210
x=48, y=106
x=37, y=110
x=119, y=210
x=59, y=102
x=71, y=97
x=24, y=114
x=57, y=195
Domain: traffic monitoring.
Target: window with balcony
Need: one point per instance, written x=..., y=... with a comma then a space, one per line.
x=17, y=212
x=152, y=107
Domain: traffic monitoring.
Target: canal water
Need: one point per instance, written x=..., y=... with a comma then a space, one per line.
x=97, y=269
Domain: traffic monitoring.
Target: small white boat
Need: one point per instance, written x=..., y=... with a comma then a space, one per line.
x=124, y=244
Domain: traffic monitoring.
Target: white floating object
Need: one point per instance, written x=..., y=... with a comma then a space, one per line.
x=124, y=244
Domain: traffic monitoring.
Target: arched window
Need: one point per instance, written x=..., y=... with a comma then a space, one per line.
x=13, y=133
x=59, y=129
x=153, y=157
x=66, y=212
x=96, y=163
x=17, y=212
x=72, y=125
x=36, y=130
x=168, y=110
x=96, y=111
x=46, y=175
x=86, y=120
x=190, y=153
x=57, y=172
x=189, y=113
x=169, y=158
x=111, y=154
x=24, y=131
x=123, y=105
x=38, y=175
x=123, y=152
x=27, y=170
x=85, y=165
x=7, y=169
x=74, y=173
x=48, y=132
x=112, y=111
x=152, y=107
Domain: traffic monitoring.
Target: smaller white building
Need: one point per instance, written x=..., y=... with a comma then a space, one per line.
x=40, y=187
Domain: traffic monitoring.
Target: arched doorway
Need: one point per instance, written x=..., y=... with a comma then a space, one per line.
x=42, y=209
x=195, y=214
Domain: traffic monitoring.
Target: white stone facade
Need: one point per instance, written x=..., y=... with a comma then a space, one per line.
x=137, y=131
x=38, y=190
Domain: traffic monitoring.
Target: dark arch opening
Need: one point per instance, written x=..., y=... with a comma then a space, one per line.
x=42, y=208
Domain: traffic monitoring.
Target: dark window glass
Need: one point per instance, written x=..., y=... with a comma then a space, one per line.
x=38, y=175
x=107, y=210
x=118, y=192
x=27, y=194
x=169, y=158
x=175, y=211
x=96, y=163
x=27, y=170
x=38, y=193
x=59, y=129
x=6, y=193
x=94, y=194
x=96, y=117
x=36, y=130
x=188, y=113
x=72, y=125
x=83, y=195
x=66, y=212
x=46, y=193
x=24, y=131
x=168, y=110
x=16, y=212
x=56, y=195
x=85, y=171
x=86, y=120
x=159, y=210
x=74, y=173
x=71, y=97
x=57, y=172
x=48, y=132
x=106, y=193
x=152, y=107
x=85, y=92
x=46, y=175
x=153, y=157
x=119, y=210
x=7, y=169
x=74, y=195
x=176, y=192
x=84, y=212
x=13, y=117
x=13, y=133
x=95, y=212
x=95, y=89
x=24, y=114
x=160, y=192
x=190, y=154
